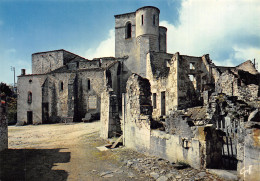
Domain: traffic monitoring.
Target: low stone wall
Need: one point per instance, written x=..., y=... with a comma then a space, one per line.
x=176, y=149
x=202, y=151
x=3, y=129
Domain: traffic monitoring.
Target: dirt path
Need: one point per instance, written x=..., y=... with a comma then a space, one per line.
x=69, y=152
x=61, y=152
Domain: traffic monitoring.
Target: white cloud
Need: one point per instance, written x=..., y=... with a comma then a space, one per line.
x=105, y=48
x=226, y=29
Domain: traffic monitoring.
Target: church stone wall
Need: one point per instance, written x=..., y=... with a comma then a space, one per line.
x=46, y=61
x=126, y=46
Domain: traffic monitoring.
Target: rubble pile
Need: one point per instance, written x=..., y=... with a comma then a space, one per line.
x=162, y=170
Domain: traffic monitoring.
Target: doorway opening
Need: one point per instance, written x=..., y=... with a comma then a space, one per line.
x=29, y=117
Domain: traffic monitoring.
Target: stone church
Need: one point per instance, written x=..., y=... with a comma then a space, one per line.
x=66, y=87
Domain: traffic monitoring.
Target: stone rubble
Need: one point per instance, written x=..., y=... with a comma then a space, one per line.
x=162, y=170
x=155, y=169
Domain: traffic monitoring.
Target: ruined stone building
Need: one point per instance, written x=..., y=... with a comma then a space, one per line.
x=181, y=108
x=64, y=87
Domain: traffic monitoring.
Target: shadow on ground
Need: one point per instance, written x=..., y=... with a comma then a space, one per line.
x=32, y=164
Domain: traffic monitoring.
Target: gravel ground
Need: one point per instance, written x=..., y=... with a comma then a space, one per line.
x=68, y=152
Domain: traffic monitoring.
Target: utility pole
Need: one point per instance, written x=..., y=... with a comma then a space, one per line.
x=13, y=69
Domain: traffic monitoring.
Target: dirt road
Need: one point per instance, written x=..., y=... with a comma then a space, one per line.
x=62, y=152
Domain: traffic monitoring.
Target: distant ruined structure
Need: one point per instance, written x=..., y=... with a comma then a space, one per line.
x=178, y=107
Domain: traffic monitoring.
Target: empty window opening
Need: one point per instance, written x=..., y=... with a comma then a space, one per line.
x=192, y=65
x=167, y=64
x=142, y=19
x=128, y=30
x=238, y=82
x=154, y=19
x=154, y=100
x=29, y=99
x=89, y=84
x=30, y=81
x=191, y=77
x=61, y=86
x=119, y=69
x=109, y=78
x=162, y=103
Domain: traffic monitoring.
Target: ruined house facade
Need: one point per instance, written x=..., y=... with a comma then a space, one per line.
x=181, y=108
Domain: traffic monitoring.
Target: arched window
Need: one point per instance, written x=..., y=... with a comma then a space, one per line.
x=128, y=30
x=29, y=99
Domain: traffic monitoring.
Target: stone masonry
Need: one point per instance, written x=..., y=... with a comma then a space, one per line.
x=184, y=108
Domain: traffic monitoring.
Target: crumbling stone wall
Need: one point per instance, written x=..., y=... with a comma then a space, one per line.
x=109, y=117
x=201, y=145
x=249, y=148
x=3, y=128
x=247, y=66
x=222, y=107
x=161, y=72
x=189, y=81
x=182, y=78
x=105, y=115
x=137, y=111
x=239, y=122
x=210, y=72
x=198, y=146
x=240, y=83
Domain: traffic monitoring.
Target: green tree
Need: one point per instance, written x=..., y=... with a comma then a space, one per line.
x=10, y=99
x=12, y=110
x=5, y=90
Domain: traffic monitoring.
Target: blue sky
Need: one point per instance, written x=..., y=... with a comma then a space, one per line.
x=229, y=30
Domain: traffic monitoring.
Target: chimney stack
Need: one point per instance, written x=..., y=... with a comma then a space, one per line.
x=23, y=72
